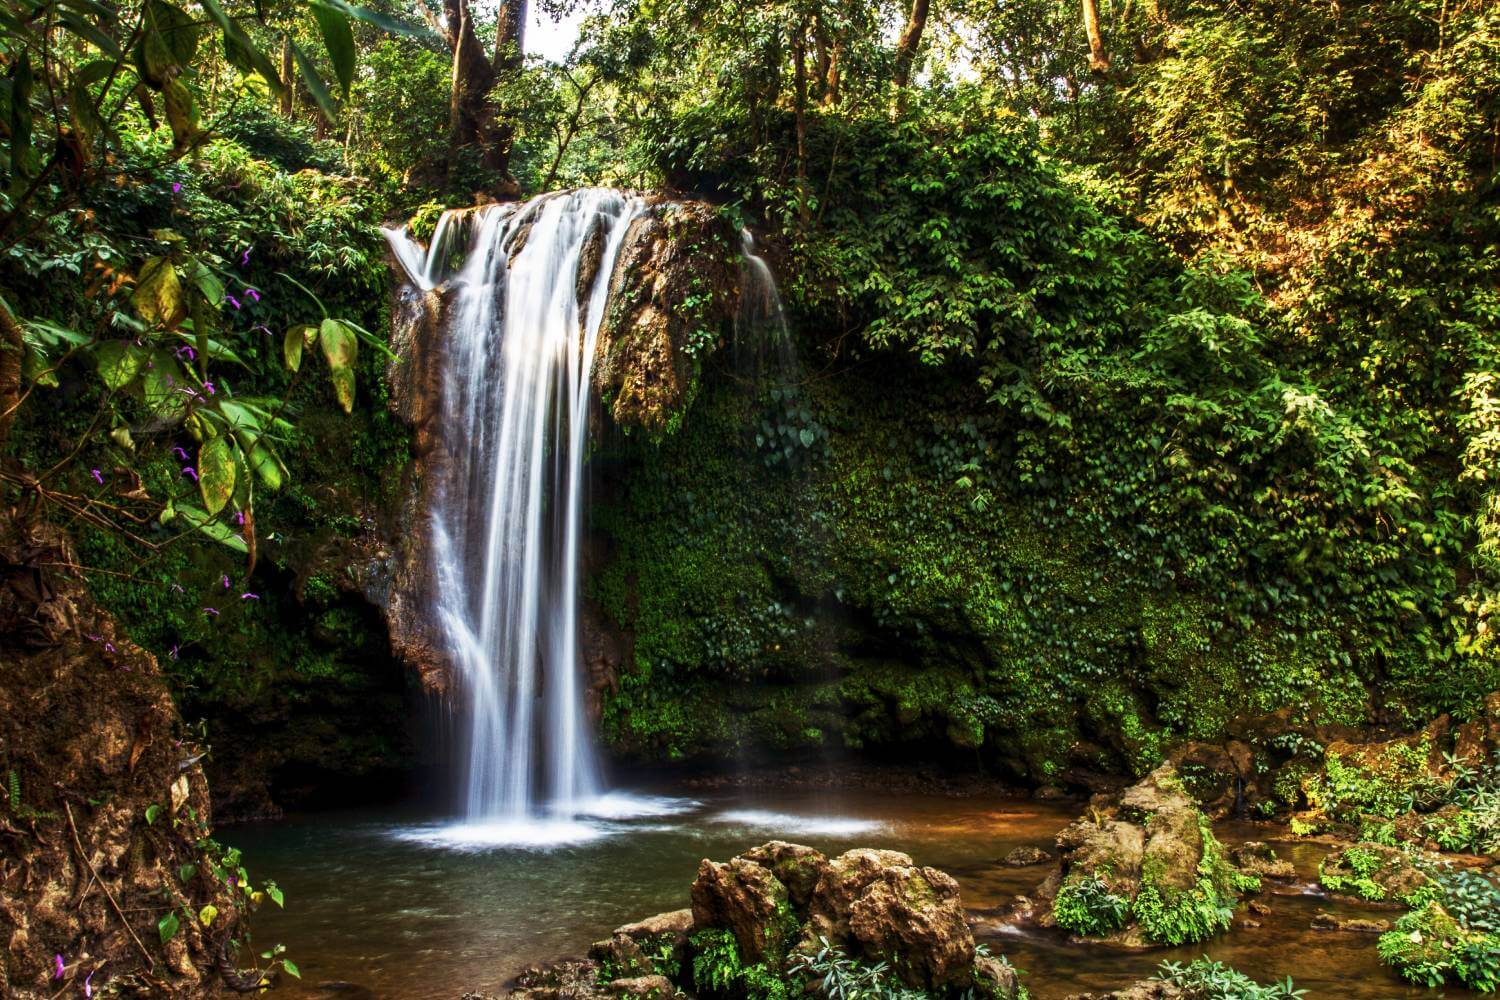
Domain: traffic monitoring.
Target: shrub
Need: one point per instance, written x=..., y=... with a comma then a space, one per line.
x=1085, y=905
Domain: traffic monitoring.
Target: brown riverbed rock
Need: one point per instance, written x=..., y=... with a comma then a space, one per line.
x=1255, y=857
x=641, y=988
x=744, y=898
x=1148, y=989
x=1150, y=838
x=912, y=918
x=1371, y=871
x=1025, y=857
x=873, y=905
x=632, y=948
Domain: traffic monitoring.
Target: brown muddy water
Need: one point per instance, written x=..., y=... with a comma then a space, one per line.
x=409, y=908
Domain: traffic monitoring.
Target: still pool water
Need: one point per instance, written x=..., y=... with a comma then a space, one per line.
x=407, y=908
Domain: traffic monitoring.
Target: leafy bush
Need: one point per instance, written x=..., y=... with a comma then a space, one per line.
x=1086, y=905
x=1205, y=979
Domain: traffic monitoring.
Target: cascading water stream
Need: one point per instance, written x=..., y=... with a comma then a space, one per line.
x=520, y=342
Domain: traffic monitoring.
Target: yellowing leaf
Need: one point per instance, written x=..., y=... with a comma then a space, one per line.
x=296, y=338
x=340, y=348
x=216, y=471
x=119, y=363
x=158, y=294
x=207, y=914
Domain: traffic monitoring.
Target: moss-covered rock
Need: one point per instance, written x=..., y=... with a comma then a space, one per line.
x=1143, y=868
x=1373, y=872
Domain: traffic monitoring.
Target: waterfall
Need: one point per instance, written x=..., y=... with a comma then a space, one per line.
x=520, y=335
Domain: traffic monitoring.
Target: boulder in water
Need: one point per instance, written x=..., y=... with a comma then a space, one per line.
x=1025, y=857
x=1143, y=868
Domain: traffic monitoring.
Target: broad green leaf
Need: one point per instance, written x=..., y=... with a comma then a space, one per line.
x=382, y=21
x=182, y=114
x=338, y=38
x=119, y=362
x=315, y=85
x=158, y=294
x=216, y=472
x=186, y=872
x=217, y=530
x=266, y=465
x=207, y=914
x=291, y=346
x=207, y=282
x=291, y=969
x=339, y=348
x=238, y=47
x=274, y=891
x=161, y=386
x=167, y=927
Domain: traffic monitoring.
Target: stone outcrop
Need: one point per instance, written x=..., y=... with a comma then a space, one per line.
x=1372, y=872
x=674, y=290
x=1142, y=868
x=106, y=803
x=878, y=906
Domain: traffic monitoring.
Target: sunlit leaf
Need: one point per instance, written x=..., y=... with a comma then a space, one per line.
x=216, y=472
x=167, y=927
x=158, y=294
x=315, y=84
x=339, y=348
x=119, y=362
x=338, y=39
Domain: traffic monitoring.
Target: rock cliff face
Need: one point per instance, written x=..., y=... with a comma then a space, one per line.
x=106, y=818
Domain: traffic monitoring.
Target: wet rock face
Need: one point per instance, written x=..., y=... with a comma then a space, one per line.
x=674, y=289
x=745, y=898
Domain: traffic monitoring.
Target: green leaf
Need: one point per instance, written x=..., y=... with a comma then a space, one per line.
x=207, y=283
x=186, y=872
x=167, y=927
x=339, y=348
x=119, y=362
x=217, y=530
x=158, y=294
x=274, y=891
x=159, y=385
x=315, y=85
x=152, y=811
x=291, y=347
x=807, y=437
x=216, y=472
x=291, y=969
x=207, y=914
x=239, y=49
x=382, y=21
x=266, y=465
x=338, y=38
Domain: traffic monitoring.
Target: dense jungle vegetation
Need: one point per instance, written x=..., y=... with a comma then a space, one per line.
x=1148, y=358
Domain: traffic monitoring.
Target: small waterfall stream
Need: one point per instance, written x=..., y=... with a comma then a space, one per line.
x=520, y=344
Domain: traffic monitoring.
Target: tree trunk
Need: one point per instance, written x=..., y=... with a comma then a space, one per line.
x=288, y=78
x=471, y=113
x=510, y=36
x=799, y=62
x=12, y=349
x=831, y=84
x=906, y=50
x=1098, y=56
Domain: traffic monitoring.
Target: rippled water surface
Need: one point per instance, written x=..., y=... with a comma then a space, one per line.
x=409, y=908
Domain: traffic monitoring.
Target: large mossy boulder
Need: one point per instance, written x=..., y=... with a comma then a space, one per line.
x=1372, y=872
x=1143, y=868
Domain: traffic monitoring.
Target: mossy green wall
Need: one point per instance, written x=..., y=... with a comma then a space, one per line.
x=857, y=586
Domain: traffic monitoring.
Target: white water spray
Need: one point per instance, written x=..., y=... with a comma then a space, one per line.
x=507, y=515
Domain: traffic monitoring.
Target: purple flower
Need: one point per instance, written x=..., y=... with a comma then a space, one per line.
x=262, y=328
x=57, y=967
x=239, y=518
x=88, y=984
x=178, y=587
x=233, y=881
x=173, y=653
x=226, y=580
x=211, y=611
x=179, y=453
x=176, y=187
x=249, y=597
x=185, y=349
x=98, y=477
x=188, y=470
x=252, y=293
x=109, y=647
x=94, y=638
x=210, y=387
x=245, y=257
x=233, y=301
